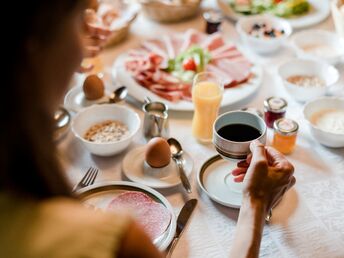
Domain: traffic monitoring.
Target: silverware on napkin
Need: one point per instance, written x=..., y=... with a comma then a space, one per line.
x=182, y=221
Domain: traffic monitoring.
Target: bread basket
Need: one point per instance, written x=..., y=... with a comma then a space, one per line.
x=174, y=11
x=115, y=15
x=120, y=33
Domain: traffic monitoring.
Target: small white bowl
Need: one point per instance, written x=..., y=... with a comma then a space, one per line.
x=333, y=140
x=324, y=71
x=319, y=45
x=263, y=45
x=92, y=115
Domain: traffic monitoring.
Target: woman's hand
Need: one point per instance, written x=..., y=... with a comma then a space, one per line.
x=268, y=175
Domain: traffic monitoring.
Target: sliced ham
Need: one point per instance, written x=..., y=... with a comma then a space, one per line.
x=238, y=71
x=214, y=41
x=223, y=49
x=171, y=51
x=147, y=64
x=192, y=37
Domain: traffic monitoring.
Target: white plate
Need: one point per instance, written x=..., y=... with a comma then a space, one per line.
x=133, y=168
x=75, y=99
x=231, y=96
x=100, y=195
x=216, y=181
x=320, y=11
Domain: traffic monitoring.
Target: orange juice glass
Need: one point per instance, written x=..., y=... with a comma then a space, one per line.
x=207, y=91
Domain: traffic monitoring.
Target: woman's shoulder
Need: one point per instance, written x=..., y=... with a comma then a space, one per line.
x=59, y=227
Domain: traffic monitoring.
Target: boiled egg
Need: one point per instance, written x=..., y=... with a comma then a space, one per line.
x=93, y=87
x=158, y=153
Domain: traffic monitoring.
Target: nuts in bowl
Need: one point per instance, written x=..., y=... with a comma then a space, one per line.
x=265, y=34
x=107, y=129
x=307, y=79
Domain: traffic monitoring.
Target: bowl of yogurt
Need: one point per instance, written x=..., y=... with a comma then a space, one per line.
x=320, y=45
x=325, y=117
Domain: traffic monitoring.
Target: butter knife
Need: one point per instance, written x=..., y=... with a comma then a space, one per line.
x=182, y=221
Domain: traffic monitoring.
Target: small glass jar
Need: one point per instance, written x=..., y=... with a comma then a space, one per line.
x=213, y=21
x=274, y=108
x=285, y=134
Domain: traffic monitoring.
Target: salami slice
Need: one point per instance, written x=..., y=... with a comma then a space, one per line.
x=152, y=216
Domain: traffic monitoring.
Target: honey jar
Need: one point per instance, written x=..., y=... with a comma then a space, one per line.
x=274, y=108
x=285, y=134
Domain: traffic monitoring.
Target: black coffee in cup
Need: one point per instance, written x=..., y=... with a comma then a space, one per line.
x=239, y=132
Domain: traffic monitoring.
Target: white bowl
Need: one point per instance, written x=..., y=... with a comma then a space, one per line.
x=261, y=45
x=324, y=71
x=328, y=139
x=319, y=45
x=92, y=115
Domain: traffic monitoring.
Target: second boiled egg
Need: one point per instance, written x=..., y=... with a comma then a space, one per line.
x=158, y=153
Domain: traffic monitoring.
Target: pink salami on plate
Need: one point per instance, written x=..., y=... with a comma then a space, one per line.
x=152, y=216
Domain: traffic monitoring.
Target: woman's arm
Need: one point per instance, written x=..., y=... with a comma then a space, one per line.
x=249, y=229
x=267, y=175
x=136, y=244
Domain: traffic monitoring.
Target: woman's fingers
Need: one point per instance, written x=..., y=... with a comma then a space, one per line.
x=292, y=182
x=258, y=152
x=239, y=171
x=243, y=164
x=239, y=178
x=277, y=159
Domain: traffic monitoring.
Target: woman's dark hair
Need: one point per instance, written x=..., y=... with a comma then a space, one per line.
x=28, y=159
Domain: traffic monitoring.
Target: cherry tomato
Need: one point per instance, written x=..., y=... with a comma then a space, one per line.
x=189, y=65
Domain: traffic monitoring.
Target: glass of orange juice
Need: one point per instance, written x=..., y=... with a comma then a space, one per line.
x=207, y=91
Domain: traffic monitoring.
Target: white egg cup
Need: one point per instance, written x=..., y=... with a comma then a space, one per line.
x=157, y=172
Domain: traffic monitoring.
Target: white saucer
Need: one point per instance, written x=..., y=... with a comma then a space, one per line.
x=216, y=181
x=133, y=168
x=75, y=99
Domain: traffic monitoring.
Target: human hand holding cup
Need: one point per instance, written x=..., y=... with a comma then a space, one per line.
x=267, y=173
x=233, y=133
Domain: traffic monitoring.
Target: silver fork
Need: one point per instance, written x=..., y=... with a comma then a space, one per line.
x=88, y=178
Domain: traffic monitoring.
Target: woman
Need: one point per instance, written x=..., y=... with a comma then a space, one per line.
x=39, y=217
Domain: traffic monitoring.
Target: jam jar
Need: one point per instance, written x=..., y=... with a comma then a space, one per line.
x=213, y=21
x=285, y=134
x=274, y=108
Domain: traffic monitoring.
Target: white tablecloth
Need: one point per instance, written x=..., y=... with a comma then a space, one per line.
x=308, y=223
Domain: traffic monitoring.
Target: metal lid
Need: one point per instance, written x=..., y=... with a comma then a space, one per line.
x=276, y=104
x=213, y=16
x=286, y=126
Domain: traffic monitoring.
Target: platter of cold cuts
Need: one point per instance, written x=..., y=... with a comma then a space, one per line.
x=163, y=69
x=148, y=207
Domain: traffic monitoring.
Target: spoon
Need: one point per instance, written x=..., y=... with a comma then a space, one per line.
x=117, y=95
x=177, y=152
x=62, y=120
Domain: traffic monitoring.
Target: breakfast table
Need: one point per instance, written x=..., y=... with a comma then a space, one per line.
x=308, y=222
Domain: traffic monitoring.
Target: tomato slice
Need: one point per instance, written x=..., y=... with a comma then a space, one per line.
x=189, y=65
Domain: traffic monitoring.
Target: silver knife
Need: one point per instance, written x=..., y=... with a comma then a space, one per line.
x=182, y=221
